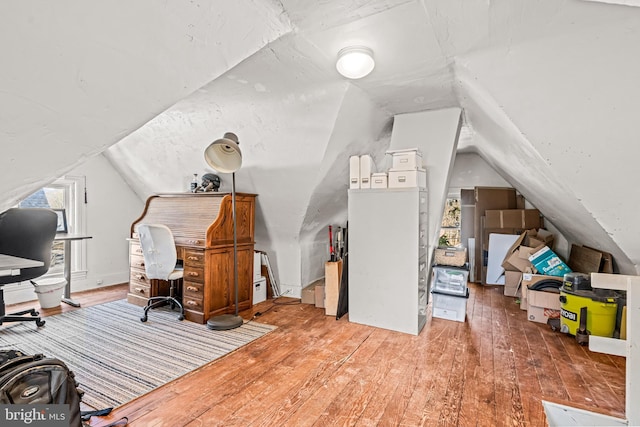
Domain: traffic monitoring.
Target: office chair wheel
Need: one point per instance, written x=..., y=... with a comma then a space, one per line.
x=143, y=319
x=181, y=317
x=35, y=313
x=40, y=323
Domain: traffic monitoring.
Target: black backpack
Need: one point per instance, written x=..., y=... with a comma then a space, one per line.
x=37, y=379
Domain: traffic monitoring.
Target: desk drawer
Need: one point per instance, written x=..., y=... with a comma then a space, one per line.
x=139, y=276
x=193, y=289
x=189, y=241
x=139, y=289
x=135, y=249
x=191, y=303
x=193, y=258
x=136, y=261
x=193, y=274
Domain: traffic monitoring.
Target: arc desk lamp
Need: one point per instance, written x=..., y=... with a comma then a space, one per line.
x=224, y=156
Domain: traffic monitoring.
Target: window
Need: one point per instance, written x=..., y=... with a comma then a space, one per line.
x=62, y=194
x=450, y=227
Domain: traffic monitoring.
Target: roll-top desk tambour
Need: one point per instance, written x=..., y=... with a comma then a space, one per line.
x=202, y=226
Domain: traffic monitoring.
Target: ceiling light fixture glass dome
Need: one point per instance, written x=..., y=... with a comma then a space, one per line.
x=355, y=62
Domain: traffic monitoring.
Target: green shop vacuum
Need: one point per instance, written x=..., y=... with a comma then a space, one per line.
x=585, y=311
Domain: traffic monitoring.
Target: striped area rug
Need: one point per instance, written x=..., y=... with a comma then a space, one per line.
x=116, y=357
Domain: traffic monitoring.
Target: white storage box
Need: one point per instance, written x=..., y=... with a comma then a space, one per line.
x=354, y=172
x=450, y=307
x=407, y=159
x=379, y=180
x=366, y=169
x=257, y=265
x=408, y=179
x=260, y=290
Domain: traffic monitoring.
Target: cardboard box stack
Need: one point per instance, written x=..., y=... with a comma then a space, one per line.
x=516, y=261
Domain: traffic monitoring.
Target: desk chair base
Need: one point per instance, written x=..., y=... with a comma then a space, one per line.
x=159, y=301
x=33, y=314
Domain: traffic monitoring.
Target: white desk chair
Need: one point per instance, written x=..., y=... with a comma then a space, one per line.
x=160, y=257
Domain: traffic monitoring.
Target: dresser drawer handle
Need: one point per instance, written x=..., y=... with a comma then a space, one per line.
x=139, y=290
x=192, y=288
x=139, y=250
x=141, y=263
x=193, y=274
x=195, y=242
x=192, y=258
x=192, y=303
x=140, y=277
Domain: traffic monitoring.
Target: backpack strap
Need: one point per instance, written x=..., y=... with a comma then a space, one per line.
x=19, y=360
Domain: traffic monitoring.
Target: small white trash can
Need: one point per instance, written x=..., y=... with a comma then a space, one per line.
x=49, y=291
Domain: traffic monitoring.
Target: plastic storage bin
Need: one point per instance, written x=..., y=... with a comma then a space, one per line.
x=450, y=280
x=450, y=307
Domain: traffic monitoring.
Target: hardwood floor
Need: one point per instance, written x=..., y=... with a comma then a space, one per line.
x=492, y=370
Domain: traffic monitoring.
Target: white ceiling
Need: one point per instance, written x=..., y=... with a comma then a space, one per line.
x=548, y=89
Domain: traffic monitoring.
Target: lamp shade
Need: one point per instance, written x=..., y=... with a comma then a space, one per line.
x=355, y=62
x=224, y=154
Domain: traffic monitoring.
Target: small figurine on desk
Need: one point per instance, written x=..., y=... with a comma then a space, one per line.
x=210, y=182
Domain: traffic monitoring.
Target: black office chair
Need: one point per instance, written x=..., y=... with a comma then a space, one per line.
x=26, y=233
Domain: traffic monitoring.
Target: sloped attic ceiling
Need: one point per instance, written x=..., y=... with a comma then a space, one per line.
x=547, y=88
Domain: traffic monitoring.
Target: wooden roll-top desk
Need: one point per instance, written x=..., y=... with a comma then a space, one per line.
x=202, y=226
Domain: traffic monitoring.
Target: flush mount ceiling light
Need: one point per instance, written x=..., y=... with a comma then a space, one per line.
x=355, y=62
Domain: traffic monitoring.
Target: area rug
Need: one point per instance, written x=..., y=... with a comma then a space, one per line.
x=116, y=357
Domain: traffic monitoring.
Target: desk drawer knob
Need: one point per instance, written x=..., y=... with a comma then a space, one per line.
x=195, y=242
x=193, y=274
x=139, y=290
x=192, y=258
x=192, y=288
x=192, y=303
x=140, y=277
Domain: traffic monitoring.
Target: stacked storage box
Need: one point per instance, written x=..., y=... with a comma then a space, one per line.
x=450, y=292
x=407, y=169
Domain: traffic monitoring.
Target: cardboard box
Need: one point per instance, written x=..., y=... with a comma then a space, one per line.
x=513, y=218
x=319, y=296
x=488, y=198
x=529, y=242
x=584, y=259
x=529, y=279
x=512, y=282
x=548, y=262
x=543, y=305
x=309, y=294
x=332, y=278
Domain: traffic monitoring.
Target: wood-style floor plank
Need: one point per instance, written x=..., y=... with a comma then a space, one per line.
x=494, y=369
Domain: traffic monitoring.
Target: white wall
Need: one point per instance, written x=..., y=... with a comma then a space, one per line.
x=470, y=170
x=111, y=208
x=435, y=134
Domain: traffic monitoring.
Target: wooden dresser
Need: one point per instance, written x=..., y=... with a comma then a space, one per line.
x=202, y=226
